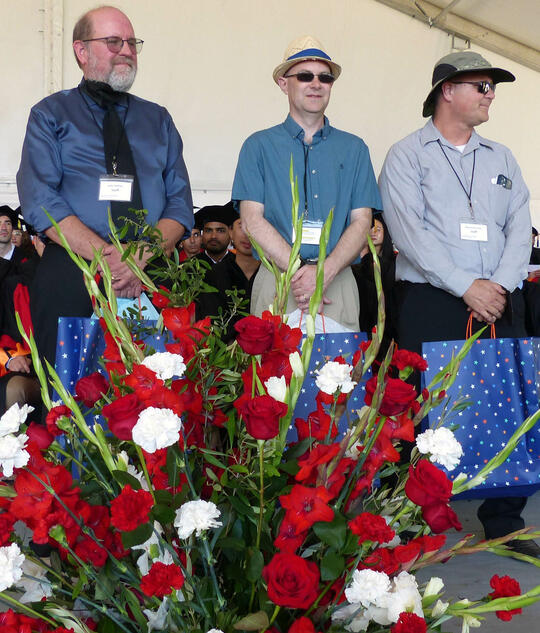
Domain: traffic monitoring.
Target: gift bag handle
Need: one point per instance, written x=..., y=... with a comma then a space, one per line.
x=468, y=331
x=322, y=318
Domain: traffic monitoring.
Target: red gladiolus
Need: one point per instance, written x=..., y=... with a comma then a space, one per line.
x=143, y=381
x=316, y=426
x=39, y=435
x=309, y=463
x=178, y=320
x=254, y=335
x=398, y=395
x=409, y=623
x=161, y=299
x=371, y=527
x=61, y=411
x=306, y=506
x=7, y=521
x=262, y=415
x=505, y=587
x=381, y=559
x=286, y=338
x=288, y=540
x=406, y=553
x=402, y=358
x=292, y=581
x=161, y=580
x=91, y=388
x=440, y=517
x=427, y=484
x=122, y=415
x=430, y=543
x=302, y=625
x=131, y=508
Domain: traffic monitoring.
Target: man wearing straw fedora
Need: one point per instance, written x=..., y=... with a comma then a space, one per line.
x=333, y=169
x=458, y=210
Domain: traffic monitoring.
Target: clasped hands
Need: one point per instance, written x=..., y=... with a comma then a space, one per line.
x=486, y=300
x=303, y=285
x=124, y=282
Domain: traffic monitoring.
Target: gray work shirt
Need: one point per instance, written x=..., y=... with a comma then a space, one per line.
x=424, y=205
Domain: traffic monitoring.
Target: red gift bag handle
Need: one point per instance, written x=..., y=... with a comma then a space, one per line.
x=468, y=331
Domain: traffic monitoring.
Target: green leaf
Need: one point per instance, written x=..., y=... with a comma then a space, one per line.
x=135, y=608
x=124, y=478
x=106, y=625
x=255, y=565
x=212, y=460
x=332, y=566
x=163, y=496
x=163, y=513
x=333, y=533
x=253, y=622
x=137, y=536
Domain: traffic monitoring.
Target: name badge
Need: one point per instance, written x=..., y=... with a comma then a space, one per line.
x=473, y=231
x=116, y=187
x=311, y=232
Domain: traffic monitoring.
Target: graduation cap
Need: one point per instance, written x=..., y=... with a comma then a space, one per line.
x=225, y=214
x=13, y=215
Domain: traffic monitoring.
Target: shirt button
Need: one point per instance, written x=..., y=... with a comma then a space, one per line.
x=324, y=138
x=485, y=250
x=311, y=147
x=316, y=195
x=313, y=171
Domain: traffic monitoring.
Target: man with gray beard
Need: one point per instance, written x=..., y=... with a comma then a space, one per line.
x=94, y=148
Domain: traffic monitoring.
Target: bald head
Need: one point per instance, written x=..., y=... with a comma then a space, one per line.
x=97, y=61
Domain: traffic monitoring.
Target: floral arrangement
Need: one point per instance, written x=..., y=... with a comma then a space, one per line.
x=165, y=495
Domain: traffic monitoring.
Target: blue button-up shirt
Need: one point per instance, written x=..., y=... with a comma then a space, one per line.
x=337, y=170
x=425, y=204
x=63, y=158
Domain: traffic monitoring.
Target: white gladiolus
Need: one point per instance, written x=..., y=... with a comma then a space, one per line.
x=277, y=388
x=11, y=562
x=12, y=453
x=296, y=364
x=156, y=428
x=157, y=620
x=152, y=552
x=334, y=376
x=404, y=596
x=165, y=364
x=34, y=582
x=439, y=608
x=433, y=587
x=215, y=631
x=13, y=418
x=441, y=445
x=196, y=516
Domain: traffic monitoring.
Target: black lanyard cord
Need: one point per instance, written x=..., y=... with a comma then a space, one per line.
x=467, y=193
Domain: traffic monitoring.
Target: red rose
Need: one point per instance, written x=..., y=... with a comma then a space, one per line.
x=302, y=625
x=255, y=336
x=292, y=581
x=122, y=415
x=91, y=388
x=398, y=395
x=371, y=527
x=162, y=579
x=427, y=484
x=54, y=415
x=131, y=508
x=504, y=587
x=409, y=623
x=39, y=435
x=440, y=517
x=262, y=415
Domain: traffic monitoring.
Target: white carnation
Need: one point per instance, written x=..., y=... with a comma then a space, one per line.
x=34, y=582
x=196, y=516
x=12, y=453
x=367, y=586
x=334, y=376
x=277, y=388
x=165, y=364
x=215, y=631
x=13, y=418
x=156, y=428
x=11, y=561
x=354, y=615
x=441, y=445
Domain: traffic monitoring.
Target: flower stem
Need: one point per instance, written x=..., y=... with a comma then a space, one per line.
x=22, y=607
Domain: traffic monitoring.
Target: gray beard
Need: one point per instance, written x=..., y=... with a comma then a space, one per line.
x=119, y=80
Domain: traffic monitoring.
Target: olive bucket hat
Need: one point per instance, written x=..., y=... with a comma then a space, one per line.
x=459, y=63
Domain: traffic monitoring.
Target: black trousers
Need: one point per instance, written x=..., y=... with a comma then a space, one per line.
x=57, y=290
x=426, y=313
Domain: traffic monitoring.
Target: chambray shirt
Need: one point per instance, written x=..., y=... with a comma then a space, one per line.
x=424, y=204
x=338, y=174
x=63, y=158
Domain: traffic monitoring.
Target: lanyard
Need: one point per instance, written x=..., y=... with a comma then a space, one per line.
x=306, y=166
x=120, y=137
x=467, y=193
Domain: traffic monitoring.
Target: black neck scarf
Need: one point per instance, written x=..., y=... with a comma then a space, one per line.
x=117, y=148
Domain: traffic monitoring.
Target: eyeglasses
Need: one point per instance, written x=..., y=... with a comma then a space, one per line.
x=305, y=76
x=482, y=86
x=116, y=44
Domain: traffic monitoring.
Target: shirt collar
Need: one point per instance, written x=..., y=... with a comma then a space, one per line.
x=430, y=133
x=91, y=103
x=296, y=131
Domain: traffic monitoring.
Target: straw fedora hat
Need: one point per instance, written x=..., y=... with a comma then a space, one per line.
x=301, y=49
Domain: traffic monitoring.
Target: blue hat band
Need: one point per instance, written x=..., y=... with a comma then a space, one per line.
x=310, y=52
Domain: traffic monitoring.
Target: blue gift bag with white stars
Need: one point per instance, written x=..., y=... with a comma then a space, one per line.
x=325, y=348
x=79, y=346
x=500, y=378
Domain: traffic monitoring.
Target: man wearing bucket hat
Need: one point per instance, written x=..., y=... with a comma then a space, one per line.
x=458, y=210
x=334, y=171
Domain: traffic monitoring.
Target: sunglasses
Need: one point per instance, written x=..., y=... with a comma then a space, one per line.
x=115, y=44
x=306, y=77
x=482, y=86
